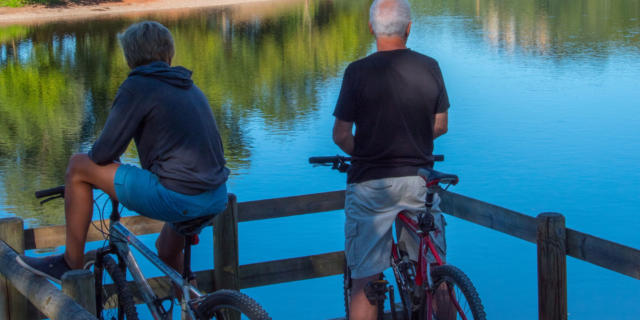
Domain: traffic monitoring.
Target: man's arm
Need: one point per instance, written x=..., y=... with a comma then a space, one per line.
x=122, y=122
x=440, y=125
x=343, y=135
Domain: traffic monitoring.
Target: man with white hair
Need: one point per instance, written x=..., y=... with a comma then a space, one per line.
x=183, y=174
x=398, y=102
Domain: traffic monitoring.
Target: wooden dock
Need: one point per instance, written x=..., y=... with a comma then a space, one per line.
x=554, y=241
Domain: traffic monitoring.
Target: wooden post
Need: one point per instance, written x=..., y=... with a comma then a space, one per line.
x=225, y=247
x=552, y=267
x=79, y=285
x=45, y=296
x=13, y=305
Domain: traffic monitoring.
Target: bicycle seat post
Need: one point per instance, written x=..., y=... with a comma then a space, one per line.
x=115, y=214
x=428, y=203
x=186, y=271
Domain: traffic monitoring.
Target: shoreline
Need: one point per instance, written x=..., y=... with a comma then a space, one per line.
x=37, y=14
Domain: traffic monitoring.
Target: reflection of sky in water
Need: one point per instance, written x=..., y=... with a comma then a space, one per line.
x=25, y=48
x=541, y=120
x=65, y=48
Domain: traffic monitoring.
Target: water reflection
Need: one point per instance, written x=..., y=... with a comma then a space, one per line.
x=559, y=29
x=57, y=82
x=260, y=64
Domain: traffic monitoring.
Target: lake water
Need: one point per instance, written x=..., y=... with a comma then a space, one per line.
x=544, y=117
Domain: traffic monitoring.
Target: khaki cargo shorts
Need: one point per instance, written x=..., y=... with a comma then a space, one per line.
x=371, y=208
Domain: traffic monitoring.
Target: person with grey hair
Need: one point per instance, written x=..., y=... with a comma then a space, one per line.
x=183, y=174
x=397, y=100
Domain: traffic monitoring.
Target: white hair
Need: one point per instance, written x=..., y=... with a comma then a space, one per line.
x=390, y=17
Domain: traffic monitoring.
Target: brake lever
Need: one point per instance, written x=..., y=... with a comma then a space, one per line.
x=341, y=166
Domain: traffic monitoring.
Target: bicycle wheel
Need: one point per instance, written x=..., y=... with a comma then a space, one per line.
x=230, y=304
x=116, y=303
x=455, y=297
x=346, y=276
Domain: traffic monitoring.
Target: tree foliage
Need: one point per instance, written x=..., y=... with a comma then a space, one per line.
x=58, y=80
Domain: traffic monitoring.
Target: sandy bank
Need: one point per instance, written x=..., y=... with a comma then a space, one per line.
x=42, y=14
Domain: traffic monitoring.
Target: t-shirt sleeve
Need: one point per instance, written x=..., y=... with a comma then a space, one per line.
x=346, y=107
x=443, y=100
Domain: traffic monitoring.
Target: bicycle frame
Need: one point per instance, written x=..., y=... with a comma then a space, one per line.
x=120, y=240
x=423, y=279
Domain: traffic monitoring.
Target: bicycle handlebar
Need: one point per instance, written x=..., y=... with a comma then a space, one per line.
x=335, y=159
x=59, y=190
x=329, y=159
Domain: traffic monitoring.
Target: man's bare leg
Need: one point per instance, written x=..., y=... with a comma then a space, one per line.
x=82, y=176
x=444, y=307
x=170, y=245
x=361, y=308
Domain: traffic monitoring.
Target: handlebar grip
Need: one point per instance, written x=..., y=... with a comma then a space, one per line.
x=59, y=190
x=330, y=159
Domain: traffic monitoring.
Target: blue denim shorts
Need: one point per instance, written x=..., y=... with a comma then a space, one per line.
x=140, y=190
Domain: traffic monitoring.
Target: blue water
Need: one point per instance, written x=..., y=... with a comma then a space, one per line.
x=532, y=133
x=540, y=121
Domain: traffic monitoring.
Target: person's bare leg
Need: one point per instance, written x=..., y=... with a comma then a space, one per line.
x=170, y=245
x=360, y=307
x=444, y=307
x=82, y=176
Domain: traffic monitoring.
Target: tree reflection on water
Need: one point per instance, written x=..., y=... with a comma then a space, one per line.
x=262, y=63
x=58, y=80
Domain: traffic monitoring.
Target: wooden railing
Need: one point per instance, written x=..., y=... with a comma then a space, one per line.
x=553, y=239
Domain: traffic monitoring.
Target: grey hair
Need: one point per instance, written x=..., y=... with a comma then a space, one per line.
x=390, y=17
x=146, y=42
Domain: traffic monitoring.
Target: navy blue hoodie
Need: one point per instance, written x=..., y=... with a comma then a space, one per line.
x=173, y=127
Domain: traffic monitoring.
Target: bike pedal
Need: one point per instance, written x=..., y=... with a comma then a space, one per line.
x=376, y=290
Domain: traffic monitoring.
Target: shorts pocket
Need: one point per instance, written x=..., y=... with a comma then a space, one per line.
x=350, y=247
x=378, y=184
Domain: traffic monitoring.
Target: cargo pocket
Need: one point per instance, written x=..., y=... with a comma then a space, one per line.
x=350, y=247
x=442, y=236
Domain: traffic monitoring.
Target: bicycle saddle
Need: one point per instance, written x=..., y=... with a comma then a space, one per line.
x=433, y=177
x=193, y=226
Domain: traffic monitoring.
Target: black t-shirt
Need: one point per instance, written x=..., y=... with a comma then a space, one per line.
x=392, y=97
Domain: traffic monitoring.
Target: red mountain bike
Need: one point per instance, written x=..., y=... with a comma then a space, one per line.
x=428, y=290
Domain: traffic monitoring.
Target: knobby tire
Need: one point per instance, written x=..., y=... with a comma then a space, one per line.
x=455, y=277
x=217, y=305
x=124, y=297
x=346, y=288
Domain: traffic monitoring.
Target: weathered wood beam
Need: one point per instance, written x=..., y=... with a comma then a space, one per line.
x=80, y=286
x=13, y=305
x=44, y=295
x=290, y=206
x=552, y=266
x=491, y=216
x=225, y=247
x=604, y=253
x=294, y=269
x=259, y=274
x=607, y=254
x=54, y=236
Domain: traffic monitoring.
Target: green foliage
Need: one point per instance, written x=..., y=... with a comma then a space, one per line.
x=57, y=82
x=22, y=3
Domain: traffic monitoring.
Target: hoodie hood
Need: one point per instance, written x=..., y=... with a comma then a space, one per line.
x=176, y=76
